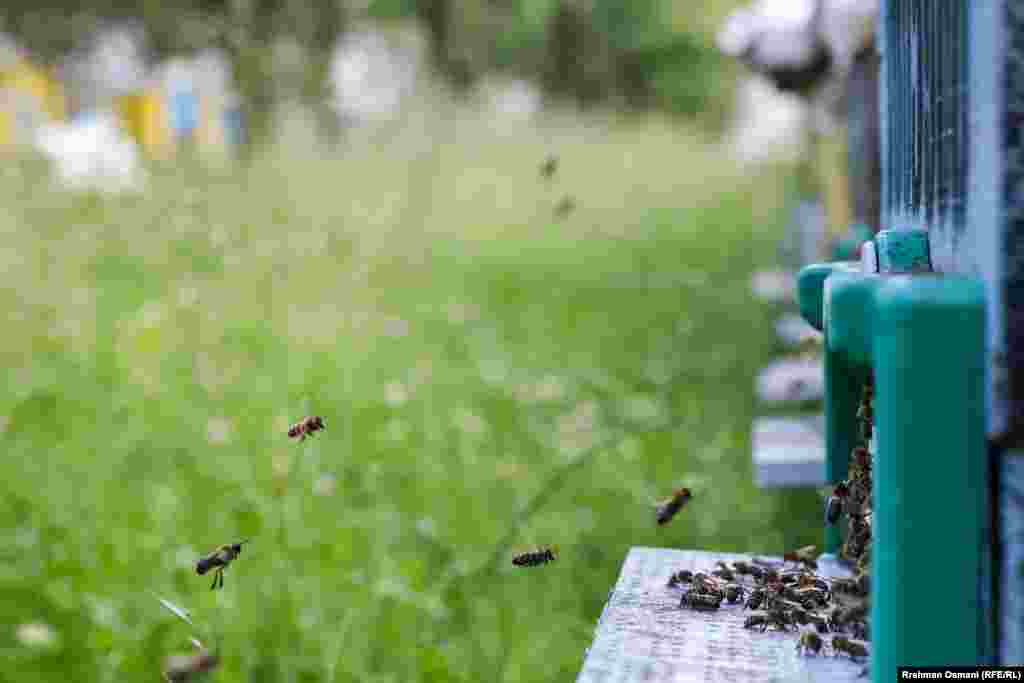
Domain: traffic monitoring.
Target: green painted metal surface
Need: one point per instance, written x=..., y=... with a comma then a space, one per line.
x=902, y=251
x=848, y=313
x=846, y=303
x=811, y=289
x=931, y=495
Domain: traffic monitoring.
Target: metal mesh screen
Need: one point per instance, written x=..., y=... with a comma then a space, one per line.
x=924, y=115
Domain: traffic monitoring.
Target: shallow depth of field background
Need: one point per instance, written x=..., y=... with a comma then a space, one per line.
x=491, y=377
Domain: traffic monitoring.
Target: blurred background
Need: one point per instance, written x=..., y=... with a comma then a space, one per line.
x=505, y=249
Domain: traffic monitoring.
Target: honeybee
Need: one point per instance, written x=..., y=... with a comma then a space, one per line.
x=549, y=167
x=841, y=616
x=700, y=601
x=834, y=503
x=850, y=647
x=681, y=576
x=809, y=641
x=723, y=572
x=744, y=568
x=777, y=618
x=813, y=581
x=300, y=430
x=757, y=597
x=537, y=557
x=859, y=630
x=668, y=508
x=846, y=586
x=181, y=668
x=803, y=555
x=734, y=593
x=219, y=560
x=564, y=207
x=813, y=596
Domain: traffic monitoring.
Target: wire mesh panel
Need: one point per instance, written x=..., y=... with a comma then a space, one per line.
x=924, y=45
x=953, y=164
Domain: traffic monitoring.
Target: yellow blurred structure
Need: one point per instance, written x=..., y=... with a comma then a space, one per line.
x=29, y=96
x=144, y=117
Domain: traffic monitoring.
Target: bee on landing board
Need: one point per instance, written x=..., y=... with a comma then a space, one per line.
x=537, y=557
x=805, y=556
x=670, y=507
x=218, y=561
x=308, y=425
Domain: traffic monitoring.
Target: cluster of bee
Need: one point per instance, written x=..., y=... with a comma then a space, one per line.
x=788, y=596
x=852, y=498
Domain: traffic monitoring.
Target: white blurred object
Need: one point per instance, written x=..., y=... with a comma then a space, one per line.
x=511, y=99
x=92, y=153
x=803, y=46
x=372, y=72
x=117, y=58
x=769, y=124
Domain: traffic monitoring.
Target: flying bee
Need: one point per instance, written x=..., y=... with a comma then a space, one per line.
x=681, y=576
x=218, y=561
x=537, y=557
x=564, y=207
x=850, y=647
x=670, y=507
x=549, y=167
x=705, y=602
x=181, y=668
x=300, y=430
x=734, y=593
x=809, y=642
x=803, y=555
x=834, y=503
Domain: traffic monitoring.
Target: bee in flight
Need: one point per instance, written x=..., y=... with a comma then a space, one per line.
x=218, y=561
x=549, y=167
x=308, y=425
x=668, y=508
x=536, y=557
x=564, y=207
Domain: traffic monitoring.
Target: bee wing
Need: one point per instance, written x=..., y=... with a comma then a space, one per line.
x=180, y=612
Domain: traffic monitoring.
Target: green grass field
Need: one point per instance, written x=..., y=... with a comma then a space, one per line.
x=491, y=379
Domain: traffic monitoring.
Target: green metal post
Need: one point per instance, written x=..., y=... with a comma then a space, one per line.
x=848, y=310
x=931, y=492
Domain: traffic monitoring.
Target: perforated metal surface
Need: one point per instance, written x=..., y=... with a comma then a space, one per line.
x=643, y=635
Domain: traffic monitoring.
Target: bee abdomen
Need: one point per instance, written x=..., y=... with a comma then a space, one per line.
x=206, y=564
x=535, y=558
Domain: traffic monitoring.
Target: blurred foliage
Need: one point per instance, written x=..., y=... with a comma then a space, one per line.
x=636, y=53
x=465, y=354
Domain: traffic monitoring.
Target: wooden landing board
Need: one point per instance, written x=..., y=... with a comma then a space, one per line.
x=643, y=635
x=789, y=451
